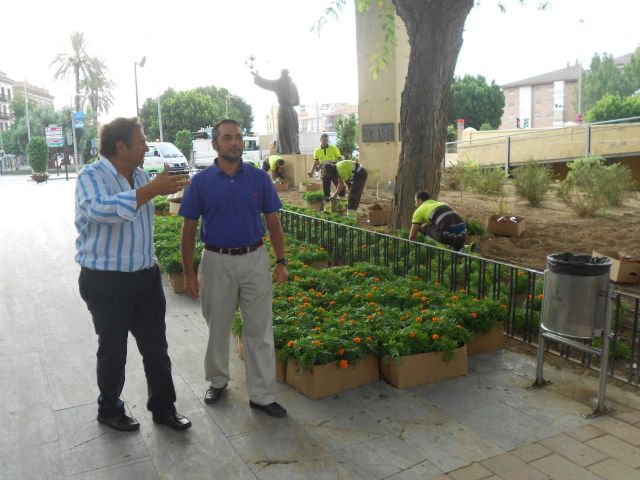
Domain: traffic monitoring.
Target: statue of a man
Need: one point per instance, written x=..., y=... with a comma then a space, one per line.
x=288, y=98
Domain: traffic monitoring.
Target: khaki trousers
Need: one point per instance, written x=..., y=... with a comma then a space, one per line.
x=228, y=282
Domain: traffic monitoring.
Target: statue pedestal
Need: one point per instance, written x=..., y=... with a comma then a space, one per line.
x=296, y=167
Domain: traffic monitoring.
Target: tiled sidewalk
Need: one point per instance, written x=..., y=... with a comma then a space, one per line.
x=484, y=425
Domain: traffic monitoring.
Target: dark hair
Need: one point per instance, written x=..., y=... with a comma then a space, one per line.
x=119, y=130
x=328, y=170
x=422, y=195
x=226, y=121
x=324, y=135
x=279, y=161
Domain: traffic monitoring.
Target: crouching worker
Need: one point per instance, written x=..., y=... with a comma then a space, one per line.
x=438, y=221
x=274, y=166
x=351, y=177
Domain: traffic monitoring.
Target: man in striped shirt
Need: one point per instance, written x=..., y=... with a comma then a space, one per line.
x=119, y=279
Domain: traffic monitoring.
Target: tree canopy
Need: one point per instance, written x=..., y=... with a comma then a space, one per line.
x=611, y=107
x=192, y=110
x=476, y=102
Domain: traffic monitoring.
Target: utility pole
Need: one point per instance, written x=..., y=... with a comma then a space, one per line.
x=26, y=108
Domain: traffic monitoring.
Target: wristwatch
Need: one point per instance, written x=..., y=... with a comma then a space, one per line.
x=282, y=261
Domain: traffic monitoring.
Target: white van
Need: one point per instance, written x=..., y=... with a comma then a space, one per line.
x=204, y=154
x=164, y=152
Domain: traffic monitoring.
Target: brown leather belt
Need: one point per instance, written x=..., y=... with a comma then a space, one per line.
x=234, y=251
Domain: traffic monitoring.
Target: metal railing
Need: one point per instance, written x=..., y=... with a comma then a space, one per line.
x=517, y=287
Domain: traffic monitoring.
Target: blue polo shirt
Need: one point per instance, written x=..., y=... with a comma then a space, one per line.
x=230, y=206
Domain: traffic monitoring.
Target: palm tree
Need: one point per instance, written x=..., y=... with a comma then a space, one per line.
x=77, y=63
x=97, y=89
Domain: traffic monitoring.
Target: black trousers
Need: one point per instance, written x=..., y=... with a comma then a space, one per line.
x=358, y=182
x=120, y=302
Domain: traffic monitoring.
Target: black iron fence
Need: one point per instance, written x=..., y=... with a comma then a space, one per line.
x=519, y=288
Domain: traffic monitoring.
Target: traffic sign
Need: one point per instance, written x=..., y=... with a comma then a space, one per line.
x=54, y=136
x=78, y=119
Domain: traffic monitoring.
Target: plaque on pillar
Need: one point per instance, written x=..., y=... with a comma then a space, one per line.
x=378, y=132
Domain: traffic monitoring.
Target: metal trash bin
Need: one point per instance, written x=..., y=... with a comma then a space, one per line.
x=575, y=301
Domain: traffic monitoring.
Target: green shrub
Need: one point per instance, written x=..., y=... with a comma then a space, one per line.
x=314, y=196
x=584, y=188
x=486, y=126
x=160, y=204
x=184, y=143
x=461, y=176
x=474, y=228
x=38, y=153
x=617, y=182
x=491, y=181
x=452, y=133
x=532, y=181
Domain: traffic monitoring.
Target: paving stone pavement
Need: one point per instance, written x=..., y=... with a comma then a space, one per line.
x=486, y=425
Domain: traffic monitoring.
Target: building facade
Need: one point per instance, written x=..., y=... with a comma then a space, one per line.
x=38, y=95
x=6, y=95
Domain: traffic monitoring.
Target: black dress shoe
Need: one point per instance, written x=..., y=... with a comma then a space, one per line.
x=273, y=409
x=119, y=421
x=213, y=394
x=175, y=421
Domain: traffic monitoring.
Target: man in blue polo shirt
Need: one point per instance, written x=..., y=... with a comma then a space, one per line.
x=235, y=269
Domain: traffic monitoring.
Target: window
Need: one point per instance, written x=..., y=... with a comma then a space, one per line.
x=9, y=93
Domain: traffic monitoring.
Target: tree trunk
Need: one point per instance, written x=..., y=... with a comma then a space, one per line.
x=435, y=37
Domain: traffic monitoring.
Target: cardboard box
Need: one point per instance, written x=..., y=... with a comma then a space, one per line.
x=329, y=379
x=177, y=281
x=487, y=342
x=621, y=271
x=424, y=368
x=380, y=217
x=497, y=225
x=281, y=187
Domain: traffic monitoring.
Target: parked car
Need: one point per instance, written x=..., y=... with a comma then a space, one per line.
x=164, y=152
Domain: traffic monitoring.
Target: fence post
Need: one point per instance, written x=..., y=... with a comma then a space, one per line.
x=587, y=140
x=507, y=158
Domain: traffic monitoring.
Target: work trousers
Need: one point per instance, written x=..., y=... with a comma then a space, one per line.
x=120, y=302
x=244, y=281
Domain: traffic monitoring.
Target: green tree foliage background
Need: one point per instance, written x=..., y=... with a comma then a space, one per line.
x=476, y=101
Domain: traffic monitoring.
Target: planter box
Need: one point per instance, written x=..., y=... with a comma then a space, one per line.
x=177, y=282
x=424, y=368
x=329, y=379
x=621, y=271
x=503, y=225
x=174, y=208
x=319, y=206
x=281, y=187
x=487, y=342
x=379, y=217
x=309, y=187
x=281, y=367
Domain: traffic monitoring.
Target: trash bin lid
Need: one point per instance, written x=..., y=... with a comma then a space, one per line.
x=581, y=265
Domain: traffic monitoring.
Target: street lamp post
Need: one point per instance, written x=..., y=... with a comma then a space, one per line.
x=580, y=72
x=135, y=76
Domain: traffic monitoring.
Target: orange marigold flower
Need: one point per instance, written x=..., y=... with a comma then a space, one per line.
x=379, y=313
x=474, y=315
x=319, y=294
x=312, y=289
x=321, y=309
x=300, y=314
x=296, y=278
x=424, y=299
x=332, y=302
x=416, y=295
x=374, y=288
x=290, y=343
x=424, y=310
x=462, y=290
x=369, y=295
x=435, y=336
x=376, y=279
x=363, y=274
x=344, y=363
x=372, y=304
x=458, y=326
x=435, y=319
x=503, y=306
x=340, y=351
x=357, y=340
x=316, y=343
x=412, y=334
x=291, y=299
x=341, y=320
x=354, y=273
x=530, y=297
x=357, y=295
x=418, y=319
x=368, y=339
x=369, y=317
x=317, y=328
x=521, y=274
x=539, y=296
x=455, y=298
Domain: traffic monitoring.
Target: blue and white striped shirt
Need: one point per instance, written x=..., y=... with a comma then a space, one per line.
x=112, y=234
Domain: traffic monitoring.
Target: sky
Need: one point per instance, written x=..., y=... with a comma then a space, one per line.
x=194, y=43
